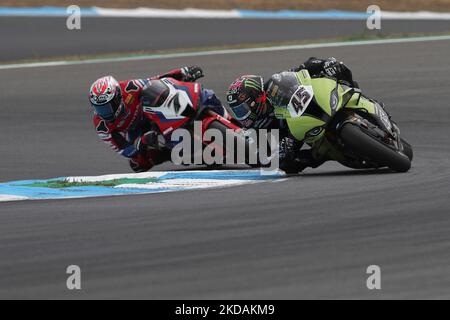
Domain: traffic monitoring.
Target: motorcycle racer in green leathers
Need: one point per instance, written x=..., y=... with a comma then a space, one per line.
x=250, y=101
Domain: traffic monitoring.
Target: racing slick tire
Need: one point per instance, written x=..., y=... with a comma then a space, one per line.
x=371, y=149
x=223, y=129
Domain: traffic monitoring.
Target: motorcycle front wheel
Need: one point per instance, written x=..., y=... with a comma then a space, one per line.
x=359, y=142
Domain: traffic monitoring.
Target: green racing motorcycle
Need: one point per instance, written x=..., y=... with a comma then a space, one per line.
x=338, y=122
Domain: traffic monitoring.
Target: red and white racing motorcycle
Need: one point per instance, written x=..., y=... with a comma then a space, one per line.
x=173, y=104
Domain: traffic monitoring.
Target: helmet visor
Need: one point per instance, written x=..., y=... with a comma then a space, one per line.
x=240, y=112
x=106, y=111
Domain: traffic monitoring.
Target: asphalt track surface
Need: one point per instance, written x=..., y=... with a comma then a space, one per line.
x=310, y=236
x=34, y=38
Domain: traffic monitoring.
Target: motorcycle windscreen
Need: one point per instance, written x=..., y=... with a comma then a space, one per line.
x=281, y=87
x=155, y=94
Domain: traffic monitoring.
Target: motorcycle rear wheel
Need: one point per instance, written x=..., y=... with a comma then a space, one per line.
x=223, y=129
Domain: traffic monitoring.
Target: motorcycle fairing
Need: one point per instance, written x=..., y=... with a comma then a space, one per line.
x=171, y=112
x=329, y=98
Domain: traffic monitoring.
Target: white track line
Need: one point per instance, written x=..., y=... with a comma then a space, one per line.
x=5, y=197
x=223, y=52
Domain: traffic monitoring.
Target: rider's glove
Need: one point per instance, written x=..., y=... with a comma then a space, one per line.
x=287, y=155
x=149, y=140
x=339, y=71
x=294, y=160
x=332, y=67
x=192, y=73
x=286, y=150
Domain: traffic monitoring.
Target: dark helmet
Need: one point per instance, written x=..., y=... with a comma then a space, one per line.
x=106, y=98
x=247, y=99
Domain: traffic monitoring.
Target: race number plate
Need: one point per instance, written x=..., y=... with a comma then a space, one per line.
x=300, y=101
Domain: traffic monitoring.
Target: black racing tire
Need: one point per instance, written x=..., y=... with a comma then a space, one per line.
x=223, y=128
x=368, y=147
x=407, y=149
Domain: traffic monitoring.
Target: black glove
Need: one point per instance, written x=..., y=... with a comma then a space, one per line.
x=147, y=141
x=288, y=155
x=295, y=160
x=192, y=73
x=313, y=65
x=332, y=67
x=339, y=71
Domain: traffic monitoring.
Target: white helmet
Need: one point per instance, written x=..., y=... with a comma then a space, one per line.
x=106, y=98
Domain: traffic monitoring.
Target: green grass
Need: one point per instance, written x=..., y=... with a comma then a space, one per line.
x=61, y=184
